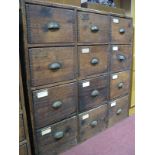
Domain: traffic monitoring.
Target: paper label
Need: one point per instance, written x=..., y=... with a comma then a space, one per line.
x=86, y=84
x=42, y=93
x=113, y=103
x=115, y=20
x=46, y=131
x=115, y=48
x=85, y=116
x=85, y=50
x=114, y=76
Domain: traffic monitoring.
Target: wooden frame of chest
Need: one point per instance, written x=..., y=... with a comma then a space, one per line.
x=77, y=69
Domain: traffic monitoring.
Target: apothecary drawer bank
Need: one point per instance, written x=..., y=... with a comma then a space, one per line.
x=77, y=69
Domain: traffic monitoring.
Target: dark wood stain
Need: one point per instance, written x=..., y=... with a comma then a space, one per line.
x=125, y=38
x=86, y=101
x=116, y=64
x=121, y=103
x=123, y=77
x=48, y=145
x=98, y=114
x=85, y=66
x=45, y=114
x=84, y=32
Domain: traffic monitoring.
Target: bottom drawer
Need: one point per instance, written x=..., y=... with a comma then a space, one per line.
x=57, y=137
x=23, y=149
x=118, y=110
x=92, y=122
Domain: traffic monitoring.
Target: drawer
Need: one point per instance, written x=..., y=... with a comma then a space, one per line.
x=118, y=110
x=21, y=128
x=50, y=65
x=121, y=30
x=93, y=60
x=92, y=122
x=54, y=104
x=23, y=150
x=91, y=28
x=92, y=92
x=119, y=84
x=121, y=57
x=58, y=137
x=49, y=25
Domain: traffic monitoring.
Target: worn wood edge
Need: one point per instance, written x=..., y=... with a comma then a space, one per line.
x=40, y=45
x=23, y=142
x=58, y=121
x=27, y=77
x=73, y=117
x=23, y=113
x=33, y=88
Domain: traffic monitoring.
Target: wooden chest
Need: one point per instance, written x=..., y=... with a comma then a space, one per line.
x=77, y=72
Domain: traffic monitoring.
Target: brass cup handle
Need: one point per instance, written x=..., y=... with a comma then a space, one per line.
x=54, y=66
x=53, y=26
x=95, y=93
x=121, y=31
x=94, y=28
x=93, y=124
x=119, y=111
x=94, y=61
x=121, y=58
x=58, y=135
x=57, y=104
x=120, y=85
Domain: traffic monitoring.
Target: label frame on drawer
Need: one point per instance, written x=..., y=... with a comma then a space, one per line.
x=42, y=93
x=115, y=20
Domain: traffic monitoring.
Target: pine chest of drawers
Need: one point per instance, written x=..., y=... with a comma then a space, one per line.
x=77, y=68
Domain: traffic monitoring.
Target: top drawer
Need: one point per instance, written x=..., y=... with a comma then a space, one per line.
x=49, y=25
x=121, y=30
x=93, y=27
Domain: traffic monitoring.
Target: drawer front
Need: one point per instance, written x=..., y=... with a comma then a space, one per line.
x=49, y=24
x=93, y=60
x=121, y=57
x=121, y=30
x=21, y=128
x=92, y=122
x=119, y=84
x=92, y=92
x=50, y=65
x=23, y=149
x=60, y=103
x=118, y=110
x=91, y=27
x=58, y=137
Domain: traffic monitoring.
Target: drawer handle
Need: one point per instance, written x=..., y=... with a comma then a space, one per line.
x=94, y=28
x=54, y=66
x=94, y=61
x=121, y=31
x=119, y=111
x=57, y=104
x=121, y=58
x=93, y=124
x=59, y=135
x=95, y=93
x=120, y=85
x=53, y=26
